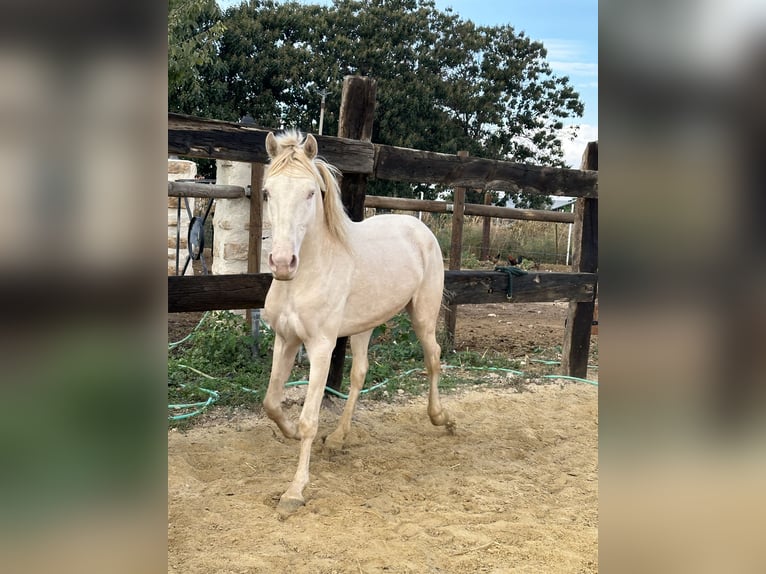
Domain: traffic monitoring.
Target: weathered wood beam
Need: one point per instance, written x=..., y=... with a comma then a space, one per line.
x=357, y=111
x=417, y=166
x=206, y=190
x=404, y=204
x=197, y=137
x=455, y=258
x=432, y=206
x=188, y=293
x=576, y=346
x=516, y=213
x=211, y=292
x=477, y=287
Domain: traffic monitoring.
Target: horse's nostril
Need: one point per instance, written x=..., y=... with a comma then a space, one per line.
x=293, y=262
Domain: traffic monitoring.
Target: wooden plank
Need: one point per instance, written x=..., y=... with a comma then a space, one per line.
x=255, y=235
x=486, y=227
x=206, y=190
x=585, y=248
x=477, y=287
x=215, y=139
x=404, y=204
x=197, y=137
x=417, y=166
x=433, y=206
x=244, y=291
x=357, y=111
x=355, y=122
x=455, y=257
x=516, y=213
x=209, y=292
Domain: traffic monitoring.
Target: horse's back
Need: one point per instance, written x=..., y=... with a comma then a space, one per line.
x=403, y=242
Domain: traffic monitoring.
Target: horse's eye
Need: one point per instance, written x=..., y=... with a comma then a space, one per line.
x=311, y=194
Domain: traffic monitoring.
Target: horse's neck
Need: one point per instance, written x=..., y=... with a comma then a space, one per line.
x=318, y=245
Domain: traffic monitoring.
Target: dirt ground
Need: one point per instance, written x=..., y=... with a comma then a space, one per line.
x=514, y=490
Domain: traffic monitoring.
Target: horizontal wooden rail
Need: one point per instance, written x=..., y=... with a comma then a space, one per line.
x=189, y=189
x=517, y=213
x=215, y=139
x=248, y=291
x=477, y=287
x=432, y=206
x=197, y=137
x=404, y=204
x=417, y=166
x=209, y=292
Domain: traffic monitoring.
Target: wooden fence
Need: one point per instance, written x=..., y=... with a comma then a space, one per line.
x=359, y=159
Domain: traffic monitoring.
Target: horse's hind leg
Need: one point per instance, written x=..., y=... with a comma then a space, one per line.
x=424, y=315
x=359, y=345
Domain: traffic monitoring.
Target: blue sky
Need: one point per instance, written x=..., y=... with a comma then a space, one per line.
x=569, y=31
x=567, y=28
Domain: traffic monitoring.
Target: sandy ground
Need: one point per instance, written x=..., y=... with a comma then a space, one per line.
x=514, y=490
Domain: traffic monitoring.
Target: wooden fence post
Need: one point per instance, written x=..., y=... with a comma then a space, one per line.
x=357, y=109
x=455, y=256
x=485, y=231
x=585, y=249
x=255, y=240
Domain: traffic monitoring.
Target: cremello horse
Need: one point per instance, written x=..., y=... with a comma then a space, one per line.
x=334, y=278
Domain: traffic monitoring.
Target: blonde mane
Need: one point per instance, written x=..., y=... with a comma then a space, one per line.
x=292, y=157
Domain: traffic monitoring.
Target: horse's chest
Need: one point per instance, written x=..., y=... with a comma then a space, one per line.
x=291, y=316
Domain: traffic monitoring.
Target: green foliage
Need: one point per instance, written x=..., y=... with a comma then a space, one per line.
x=444, y=84
x=219, y=357
x=395, y=351
x=538, y=241
x=194, y=31
x=218, y=360
x=223, y=341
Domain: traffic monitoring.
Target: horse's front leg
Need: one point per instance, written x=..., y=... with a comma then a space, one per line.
x=359, y=346
x=319, y=356
x=281, y=365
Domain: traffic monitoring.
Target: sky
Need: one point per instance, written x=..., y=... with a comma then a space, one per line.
x=569, y=31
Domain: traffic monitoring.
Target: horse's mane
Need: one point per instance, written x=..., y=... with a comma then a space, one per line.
x=291, y=155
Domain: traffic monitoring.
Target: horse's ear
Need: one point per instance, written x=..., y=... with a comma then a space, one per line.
x=272, y=147
x=310, y=147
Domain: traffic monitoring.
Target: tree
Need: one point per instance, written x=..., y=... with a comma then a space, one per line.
x=194, y=29
x=444, y=84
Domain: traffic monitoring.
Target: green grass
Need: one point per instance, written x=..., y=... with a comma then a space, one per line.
x=218, y=359
x=222, y=347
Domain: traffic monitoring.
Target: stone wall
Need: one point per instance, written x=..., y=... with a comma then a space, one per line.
x=179, y=169
x=231, y=223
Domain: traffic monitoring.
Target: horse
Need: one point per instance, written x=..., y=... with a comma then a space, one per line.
x=335, y=278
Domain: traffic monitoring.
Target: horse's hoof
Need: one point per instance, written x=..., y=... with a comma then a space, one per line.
x=332, y=444
x=288, y=505
x=444, y=420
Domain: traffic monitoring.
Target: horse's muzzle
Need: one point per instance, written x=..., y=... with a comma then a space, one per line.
x=281, y=268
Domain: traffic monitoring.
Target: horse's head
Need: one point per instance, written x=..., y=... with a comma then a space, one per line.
x=290, y=190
